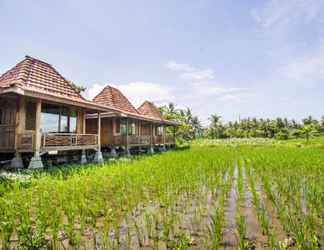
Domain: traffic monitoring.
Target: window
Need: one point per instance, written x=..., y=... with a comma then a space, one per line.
x=117, y=127
x=123, y=128
x=73, y=122
x=131, y=128
x=159, y=130
x=64, y=120
x=56, y=119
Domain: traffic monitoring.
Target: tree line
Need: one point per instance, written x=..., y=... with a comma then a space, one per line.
x=191, y=128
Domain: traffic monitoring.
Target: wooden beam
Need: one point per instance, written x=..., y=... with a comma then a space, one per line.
x=84, y=123
x=99, y=131
x=38, y=133
x=127, y=135
x=20, y=119
x=163, y=134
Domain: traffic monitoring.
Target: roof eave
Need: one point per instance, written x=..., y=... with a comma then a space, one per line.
x=57, y=99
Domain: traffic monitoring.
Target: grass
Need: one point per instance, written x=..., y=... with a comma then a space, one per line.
x=164, y=199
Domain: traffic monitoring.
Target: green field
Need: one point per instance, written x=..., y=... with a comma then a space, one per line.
x=240, y=194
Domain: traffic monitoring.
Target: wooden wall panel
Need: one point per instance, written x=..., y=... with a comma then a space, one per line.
x=106, y=131
x=8, y=113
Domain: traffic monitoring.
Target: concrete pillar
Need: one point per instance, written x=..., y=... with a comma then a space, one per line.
x=84, y=157
x=16, y=162
x=151, y=149
x=36, y=160
x=113, y=152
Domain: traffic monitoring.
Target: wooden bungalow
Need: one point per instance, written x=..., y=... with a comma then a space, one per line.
x=128, y=128
x=42, y=113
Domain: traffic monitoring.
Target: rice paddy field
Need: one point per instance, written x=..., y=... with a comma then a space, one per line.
x=214, y=195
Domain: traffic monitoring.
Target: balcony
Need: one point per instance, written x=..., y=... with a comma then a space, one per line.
x=132, y=140
x=137, y=140
x=57, y=141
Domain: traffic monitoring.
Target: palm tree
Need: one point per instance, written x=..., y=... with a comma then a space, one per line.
x=307, y=131
x=214, y=124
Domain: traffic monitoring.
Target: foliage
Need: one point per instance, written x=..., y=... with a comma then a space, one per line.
x=279, y=128
x=76, y=87
x=189, y=127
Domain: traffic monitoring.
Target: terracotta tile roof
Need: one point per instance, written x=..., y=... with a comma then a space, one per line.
x=112, y=97
x=149, y=109
x=38, y=76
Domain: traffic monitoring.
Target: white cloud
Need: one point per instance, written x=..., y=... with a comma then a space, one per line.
x=140, y=91
x=199, y=75
x=189, y=72
x=93, y=91
x=179, y=67
x=278, y=12
x=137, y=92
x=309, y=67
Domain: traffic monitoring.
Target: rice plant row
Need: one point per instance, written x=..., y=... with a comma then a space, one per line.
x=205, y=197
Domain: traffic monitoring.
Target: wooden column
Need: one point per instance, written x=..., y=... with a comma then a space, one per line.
x=81, y=122
x=38, y=133
x=99, y=131
x=98, y=156
x=139, y=128
x=84, y=123
x=127, y=142
x=163, y=134
x=17, y=162
x=36, y=161
x=20, y=119
x=151, y=150
x=151, y=134
x=82, y=130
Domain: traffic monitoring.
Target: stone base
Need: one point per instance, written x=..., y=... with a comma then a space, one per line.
x=16, y=162
x=151, y=150
x=84, y=158
x=98, y=157
x=36, y=162
x=113, y=153
x=127, y=152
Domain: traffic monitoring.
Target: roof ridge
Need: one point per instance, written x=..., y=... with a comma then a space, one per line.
x=36, y=59
x=112, y=95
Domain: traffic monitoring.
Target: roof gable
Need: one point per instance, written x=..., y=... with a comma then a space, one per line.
x=36, y=75
x=113, y=97
x=149, y=109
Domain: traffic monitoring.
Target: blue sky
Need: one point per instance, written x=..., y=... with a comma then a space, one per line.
x=249, y=58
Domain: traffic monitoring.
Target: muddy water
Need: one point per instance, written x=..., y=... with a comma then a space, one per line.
x=276, y=225
x=230, y=234
x=253, y=229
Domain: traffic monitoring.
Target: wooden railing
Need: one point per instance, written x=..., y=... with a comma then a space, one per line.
x=138, y=140
x=7, y=137
x=132, y=139
x=158, y=139
x=50, y=140
x=25, y=141
x=169, y=139
x=142, y=139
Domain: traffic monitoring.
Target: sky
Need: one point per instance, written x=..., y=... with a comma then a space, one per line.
x=250, y=58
